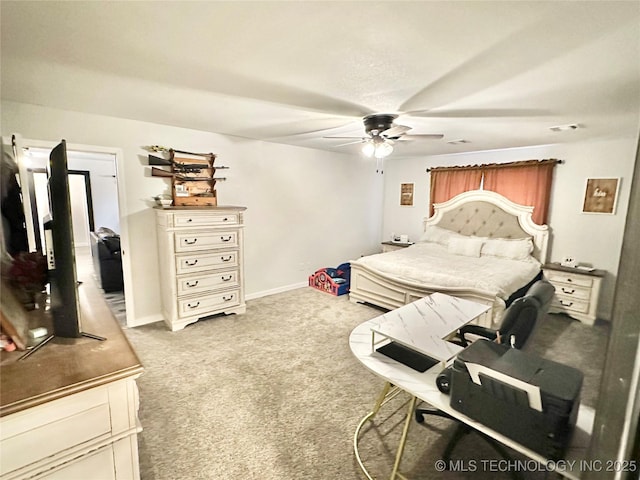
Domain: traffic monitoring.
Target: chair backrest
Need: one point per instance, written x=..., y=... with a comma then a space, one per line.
x=542, y=291
x=522, y=316
x=519, y=321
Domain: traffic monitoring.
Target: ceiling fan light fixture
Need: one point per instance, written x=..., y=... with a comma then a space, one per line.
x=383, y=150
x=368, y=149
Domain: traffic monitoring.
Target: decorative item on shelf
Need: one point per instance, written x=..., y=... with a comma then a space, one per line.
x=164, y=200
x=28, y=275
x=192, y=176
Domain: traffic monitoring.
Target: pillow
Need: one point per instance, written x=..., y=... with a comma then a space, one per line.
x=515, y=249
x=434, y=234
x=467, y=246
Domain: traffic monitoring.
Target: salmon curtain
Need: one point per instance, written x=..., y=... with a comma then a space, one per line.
x=446, y=183
x=525, y=183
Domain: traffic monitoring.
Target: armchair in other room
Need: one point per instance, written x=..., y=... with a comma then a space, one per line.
x=107, y=259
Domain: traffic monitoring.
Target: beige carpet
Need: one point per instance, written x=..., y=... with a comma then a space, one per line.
x=276, y=394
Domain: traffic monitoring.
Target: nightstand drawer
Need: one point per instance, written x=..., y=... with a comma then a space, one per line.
x=204, y=220
x=202, y=304
x=573, y=291
x=210, y=281
x=194, y=241
x=570, y=304
x=206, y=261
x=568, y=278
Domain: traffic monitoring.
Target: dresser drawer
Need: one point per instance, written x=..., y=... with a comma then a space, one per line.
x=201, y=304
x=46, y=432
x=206, y=261
x=567, y=278
x=98, y=463
x=570, y=304
x=205, y=220
x=573, y=291
x=211, y=281
x=195, y=241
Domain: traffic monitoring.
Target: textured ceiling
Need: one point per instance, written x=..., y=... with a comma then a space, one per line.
x=497, y=74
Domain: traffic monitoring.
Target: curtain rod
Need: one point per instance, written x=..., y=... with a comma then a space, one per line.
x=497, y=165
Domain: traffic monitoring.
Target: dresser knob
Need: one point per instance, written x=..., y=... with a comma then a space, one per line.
x=227, y=278
x=190, y=242
x=191, y=263
x=193, y=305
x=226, y=259
x=568, y=290
x=192, y=284
x=226, y=239
x=227, y=299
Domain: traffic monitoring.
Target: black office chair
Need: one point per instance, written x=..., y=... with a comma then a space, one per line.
x=518, y=324
x=520, y=319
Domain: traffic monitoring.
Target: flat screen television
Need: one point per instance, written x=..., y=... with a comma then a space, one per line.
x=65, y=307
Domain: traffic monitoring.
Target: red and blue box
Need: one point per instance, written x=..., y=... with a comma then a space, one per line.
x=332, y=280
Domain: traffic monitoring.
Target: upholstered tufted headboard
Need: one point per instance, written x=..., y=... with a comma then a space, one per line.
x=483, y=213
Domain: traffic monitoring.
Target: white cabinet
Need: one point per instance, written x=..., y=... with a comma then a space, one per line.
x=90, y=434
x=201, y=262
x=577, y=291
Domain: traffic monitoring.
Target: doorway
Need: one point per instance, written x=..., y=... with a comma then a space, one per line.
x=94, y=199
x=81, y=205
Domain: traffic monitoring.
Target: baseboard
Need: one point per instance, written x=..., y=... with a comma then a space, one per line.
x=138, y=322
x=273, y=291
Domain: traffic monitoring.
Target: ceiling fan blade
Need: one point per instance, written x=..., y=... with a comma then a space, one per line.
x=395, y=131
x=422, y=136
x=350, y=143
x=481, y=113
x=352, y=136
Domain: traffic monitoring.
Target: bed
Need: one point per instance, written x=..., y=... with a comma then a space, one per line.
x=478, y=245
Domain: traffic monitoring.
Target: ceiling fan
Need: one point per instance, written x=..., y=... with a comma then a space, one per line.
x=382, y=133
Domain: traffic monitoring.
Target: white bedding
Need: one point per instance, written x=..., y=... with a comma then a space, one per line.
x=432, y=264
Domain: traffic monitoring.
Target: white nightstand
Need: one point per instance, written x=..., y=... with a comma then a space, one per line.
x=391, y=246
x=577, y=291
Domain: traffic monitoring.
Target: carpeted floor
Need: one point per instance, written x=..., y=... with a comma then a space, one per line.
x=276, y=394
x=115, y=301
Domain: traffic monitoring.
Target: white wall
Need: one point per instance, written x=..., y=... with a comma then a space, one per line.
x=592, y=239
x=306, y=209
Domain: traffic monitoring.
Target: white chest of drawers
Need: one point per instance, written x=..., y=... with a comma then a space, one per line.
x=577, y=291
x=201, y=262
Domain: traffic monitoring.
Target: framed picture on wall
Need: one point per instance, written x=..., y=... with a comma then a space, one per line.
x=406, y=194
x=601, y=195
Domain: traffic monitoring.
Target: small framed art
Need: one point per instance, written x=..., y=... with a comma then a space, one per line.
x=601, y=195
x=406, y=194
